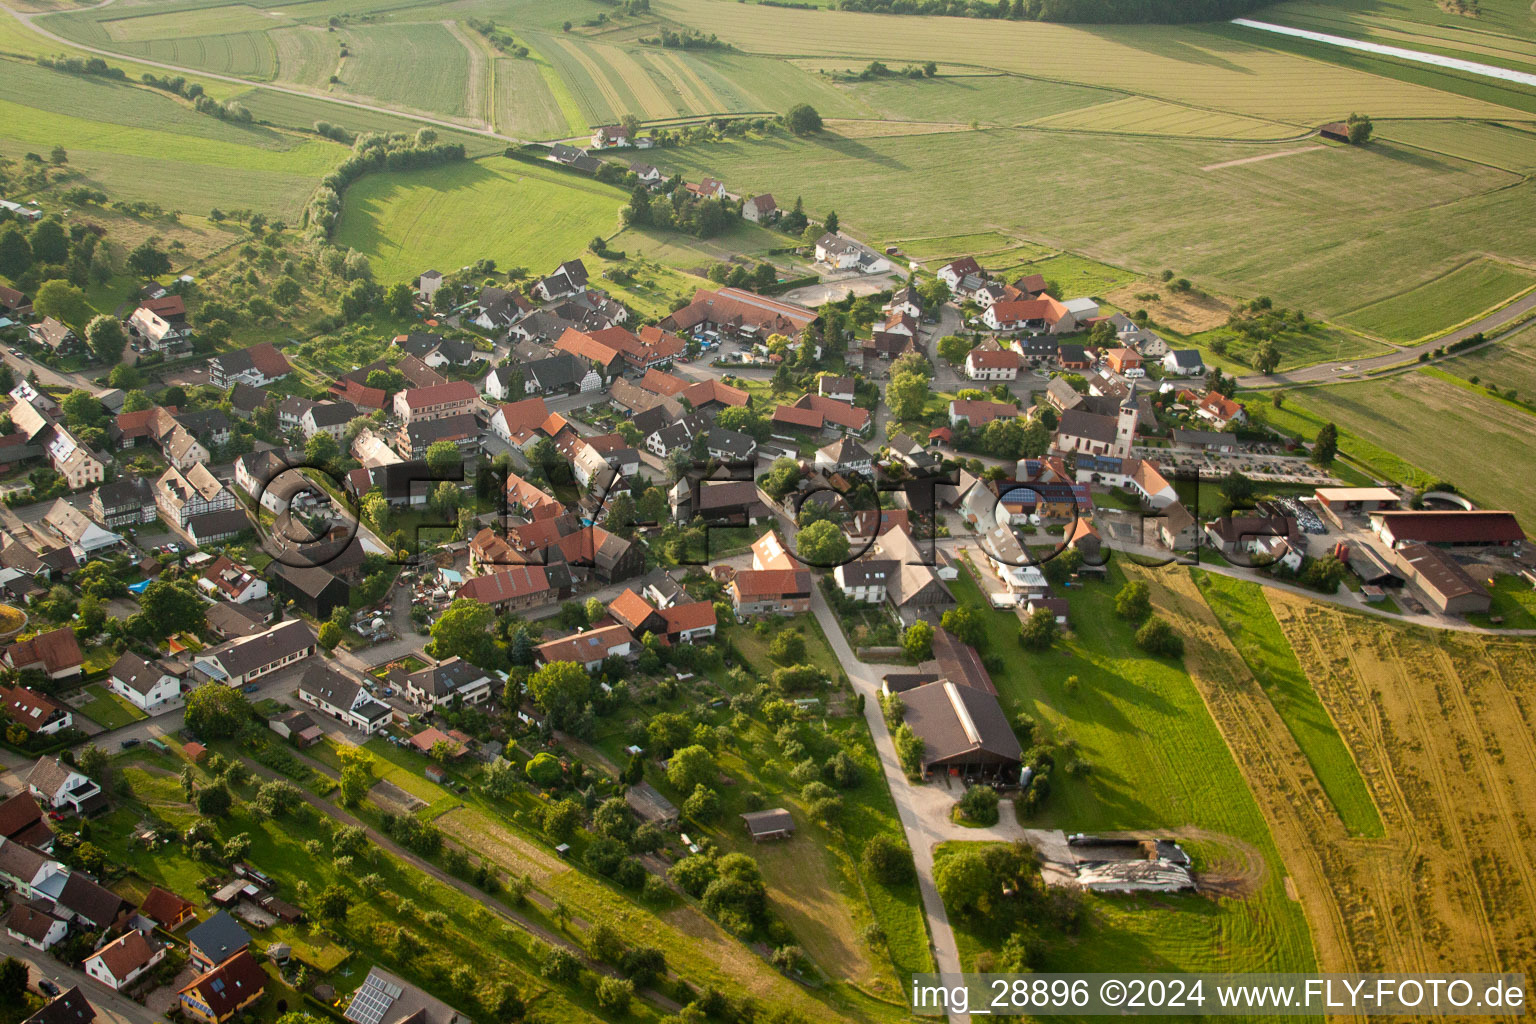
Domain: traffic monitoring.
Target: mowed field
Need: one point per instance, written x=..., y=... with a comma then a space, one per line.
x=1510, y=146
x=1509, y=364
x=414, y=66
x=1326, y=233
x=135, y=143
x=1423, y=312
x=1503, y=33
x=1144, y=115
x=1157, y=761
x=512, y=211
x=1450, y=432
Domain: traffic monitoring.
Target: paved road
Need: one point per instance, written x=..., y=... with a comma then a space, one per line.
x=1359, y=369
x=22, y=365
x=110, y=1007
x=27, y=18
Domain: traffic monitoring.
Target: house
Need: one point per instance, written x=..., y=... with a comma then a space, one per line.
x=330, y=418
x=739, y=313
x=770, y=592
x=500, y=308
x=561, y=372
x=964, y=731
x=689, y=622
x=71, y=459
x=836, y=415
x=182, y=495
x=86, y=540
x=718, y=502
x=979, y=412
x=225, y=580
x=244, y=659
x=1184, y=362
x=15, y=303
x=839, y=251
x=729, y=445
x=447, y=682
x=225, y=990
x=511, y=590
x=385, y=998
x=1443, y=580
x=1239, y=536
x=844, y=455
x=1042, y=315
x=55, y=653
x=297, y=727
x=228, y=621
x=1176, y=528
x=166, y=909
x=838, y=389
x=588, y=648
x=1219, y=410
x=647, y=174
x=610, y=136
x=1000, y=364
x=866, y=579
x=34, y=925
x=127, y=501
x=145, y=685
x=1125, y=361
x=1449, y=528
x=35, y=712
x=120, y=962
x=212, y=527
x=54, y=336
x=257, y=366
x=675, y=436
x=22, y=821
x=440, y=401
x=708, y=188
x=760, y=209
x=953, y=273
x=1073, y=357
x=413, y=439
x=775, y=823
x=31, y=874
x=916, y=588
x=216, y=940
x=59, y=786
x=342, y=698
x=567, y=279
x=70, y=1007
x=518, y=423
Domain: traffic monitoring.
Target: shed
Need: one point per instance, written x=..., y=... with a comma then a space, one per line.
x=775, y=823
x=650, y=805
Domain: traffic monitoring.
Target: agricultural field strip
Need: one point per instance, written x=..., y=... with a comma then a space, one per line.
x=1491, y=143
x=1385, y=27
x=1491, y=284
x=600, y=102
x=478, y=97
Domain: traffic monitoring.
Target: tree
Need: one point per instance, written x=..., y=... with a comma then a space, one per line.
x=62, y=301
x=15, y=252
x=1134, y=601
x=888, y=860
x=802, y=119
x=443, y=457
x=213, y=801
x=82, y=409
x=1038, y=631
x=690, y=768
x=702, y=805
x=831, y=223
x=1266, y=358
x=964, y=882
x=464, y=629
x=171, y=607
x=1158, y=637
x=782, y=477
x=146, y=260
x=1360, y=128
x=979, y=804
x=1326, y=445
x=330, y=635
x=446, y=497
x=356, y=774
x=560, y=819
x=953, y=348
x=13, y=981
x=788, y=647
x=917, y=641
x=333, y=903
x=560, y=689
x=216, y=712
x=906, y=395
x=50, y=243
x=823, y=544
x=615, y=995
x=104, y=334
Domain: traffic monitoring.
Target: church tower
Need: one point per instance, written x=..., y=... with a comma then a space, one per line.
x=1125, y=424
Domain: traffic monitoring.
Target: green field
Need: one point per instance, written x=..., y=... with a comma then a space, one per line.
x=512, y=211
x=525, y=105
x=1144, y=115
x=1502, y=35
x=1156, y=760
x=1428, y=420
x=1507, y=146
x=993, y=100
x=1510, y=363
x=207, y=21
x=1436, y=306
x=1251, y=626
x=1323, y=343
x=419, y=67
x=246, y=54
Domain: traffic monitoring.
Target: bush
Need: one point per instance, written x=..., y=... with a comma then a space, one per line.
x=1157, y=637
x=1134, y=601
x=888, y=860
x=979, y=805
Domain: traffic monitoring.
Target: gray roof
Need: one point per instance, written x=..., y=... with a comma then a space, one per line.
x=219, y=938
x=240, y=655
x=1091, y=426
x=775, y=819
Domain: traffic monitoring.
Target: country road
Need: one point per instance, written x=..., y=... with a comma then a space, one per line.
x=27, y=19
x=1403, y=358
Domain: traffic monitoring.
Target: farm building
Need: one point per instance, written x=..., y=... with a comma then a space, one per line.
x=1447, y=585
x=650, y=805
x=964, y=731
x=775, y=823
x=1448, y=528
x=1337, y=502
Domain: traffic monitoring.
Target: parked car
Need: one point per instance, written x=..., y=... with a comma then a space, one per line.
x=131, y=743
x=250, y=688
x=48, y=987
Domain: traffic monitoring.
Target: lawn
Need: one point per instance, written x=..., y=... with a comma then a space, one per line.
x=1251, y=626
x=1156, y=760
x=108, y=710
x=1513, y=601
x=1472, y=289
x=524, y=214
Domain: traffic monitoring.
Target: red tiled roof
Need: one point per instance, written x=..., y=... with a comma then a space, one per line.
x=55, y=650
x=1452, y=526
x=979, y=411
x=752, y=584
x=793, y=416
x=659, y=382
x=994, y=359
x=706, y=391
x=592, y=645
x=519, y=581
x=844, y=415
x=359, y=395
x=230, y=985
x=1044, y=308
x=164, y=907
x=682, y=617
x=630, y=609
x=587, y=346
x=524, y=416
x=440, y=394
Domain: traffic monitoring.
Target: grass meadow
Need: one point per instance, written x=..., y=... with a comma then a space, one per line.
x=1323, y=343
x=1511, y=363
x=1480, y=286
x=1501, y=145
x=1157, y=761
x=1250, y=625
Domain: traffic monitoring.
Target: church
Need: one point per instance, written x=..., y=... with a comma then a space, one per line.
x=1086, y=433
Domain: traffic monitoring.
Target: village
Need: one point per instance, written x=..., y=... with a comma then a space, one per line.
x=536, y=505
